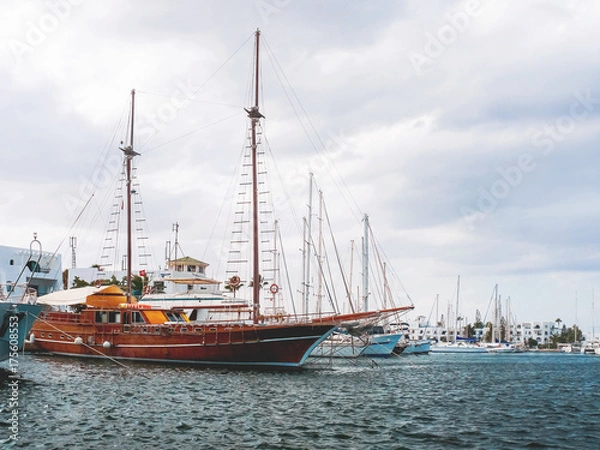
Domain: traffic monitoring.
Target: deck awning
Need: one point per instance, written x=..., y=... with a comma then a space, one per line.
x=107, y=296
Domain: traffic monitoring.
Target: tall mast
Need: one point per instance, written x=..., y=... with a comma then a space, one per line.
x=304, y=241
x=366, y=264
x=457, y=305
x=308, y=244
x=129, y=154
x=255, y=116
x=320, y=255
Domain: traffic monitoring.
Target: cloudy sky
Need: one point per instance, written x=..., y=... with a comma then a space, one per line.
x=468, y=131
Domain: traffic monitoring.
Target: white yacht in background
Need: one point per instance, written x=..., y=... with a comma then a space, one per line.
x=458, y=347
x=185, y=286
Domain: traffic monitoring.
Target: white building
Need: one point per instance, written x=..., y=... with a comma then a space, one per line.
x=41, y=270
x=520, y=333
x=540, y=331
x=419, y=329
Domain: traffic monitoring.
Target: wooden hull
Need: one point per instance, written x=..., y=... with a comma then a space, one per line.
x=284, y=345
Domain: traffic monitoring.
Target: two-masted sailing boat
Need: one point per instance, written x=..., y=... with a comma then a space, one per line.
x=108, y=322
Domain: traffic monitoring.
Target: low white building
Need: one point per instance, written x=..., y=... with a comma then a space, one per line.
x=41, y=270
x=540, y=331
x=520, y=333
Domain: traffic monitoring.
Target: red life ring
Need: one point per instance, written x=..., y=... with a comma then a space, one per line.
x=274, y=289
x=234, y=281
x=98, y=284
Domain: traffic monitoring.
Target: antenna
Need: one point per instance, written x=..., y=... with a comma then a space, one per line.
x=176, y=230
x=73, y=245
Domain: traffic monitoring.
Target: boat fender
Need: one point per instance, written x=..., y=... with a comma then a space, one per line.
x=31, y=338
x=106, y=344
x=78, y=340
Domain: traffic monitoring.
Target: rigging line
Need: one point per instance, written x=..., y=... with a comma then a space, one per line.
x=189, y=133
x=145, y=228
x=117, y=185
x=110, y=358
x=326, y=155
x=271, y=57
x=118, y=180
x=337, y=255
x=215, y=72
x=188, y=99
x=378, y=252
x=235, y=175
x=489, y=305
x=72, y=225
x=331, y=294
x=282, y=183
x=287, y=275
x=386, y=258
x=107, y=146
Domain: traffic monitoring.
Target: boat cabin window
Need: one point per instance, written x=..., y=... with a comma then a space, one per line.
x=136, y=317
x=108, y=317
x=114, y=317
x=173, y=316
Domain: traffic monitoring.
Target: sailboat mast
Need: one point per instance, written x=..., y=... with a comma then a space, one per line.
x=308, y=245
x=366, y=264
x=319, y=256
x=255, y=116
x=129, y=154
x=457, y=306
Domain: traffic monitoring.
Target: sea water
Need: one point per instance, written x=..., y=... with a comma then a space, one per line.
x=529, y=400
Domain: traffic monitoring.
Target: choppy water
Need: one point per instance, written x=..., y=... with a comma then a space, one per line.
x=428, y=402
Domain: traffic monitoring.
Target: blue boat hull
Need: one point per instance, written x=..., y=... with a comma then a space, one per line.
x=16, y=320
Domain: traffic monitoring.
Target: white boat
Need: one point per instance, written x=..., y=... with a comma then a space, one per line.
x=457, y=347
x=500, y=348
x=590, y=348
x=341, y=345
x=422, y=347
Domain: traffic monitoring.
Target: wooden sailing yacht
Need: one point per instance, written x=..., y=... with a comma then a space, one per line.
x=108, y=322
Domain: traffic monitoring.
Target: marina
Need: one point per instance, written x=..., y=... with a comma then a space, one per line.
x=446, y=402
x=378, y=218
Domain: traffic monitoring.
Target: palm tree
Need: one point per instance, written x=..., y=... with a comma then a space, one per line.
x=558, y=322
x=233, y=284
